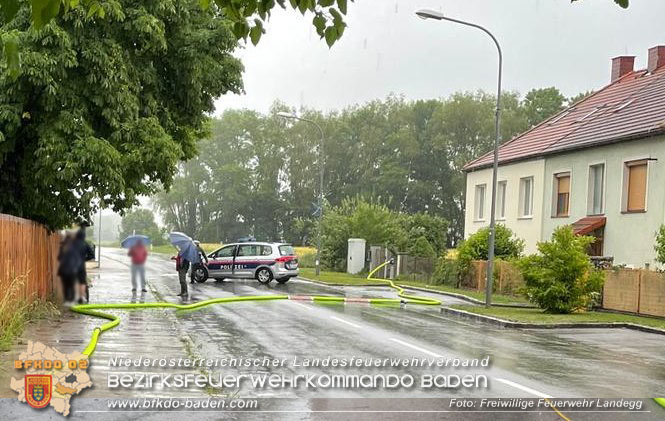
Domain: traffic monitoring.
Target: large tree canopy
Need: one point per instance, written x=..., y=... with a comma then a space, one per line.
x=246, y=17
x=106, y=110
x=257, y=174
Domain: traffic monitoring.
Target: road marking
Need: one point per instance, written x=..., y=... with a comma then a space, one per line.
x=504, y=381
x=345, y=321
x=523, y=388
x=417, y=348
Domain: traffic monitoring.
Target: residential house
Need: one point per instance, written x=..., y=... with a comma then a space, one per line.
x=598, y=166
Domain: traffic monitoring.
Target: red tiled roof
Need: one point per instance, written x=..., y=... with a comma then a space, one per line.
x=631, y=107
x=588, y=224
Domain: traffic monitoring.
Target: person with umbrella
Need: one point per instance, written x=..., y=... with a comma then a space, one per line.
x=139, y=254
x=182, y=266
x=187, y=253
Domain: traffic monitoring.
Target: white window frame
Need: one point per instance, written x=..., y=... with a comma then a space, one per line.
x=590, y=191
x=522, y=193
x=479, y=211
x=501, y=200
x=624, y=190
x=555, y=191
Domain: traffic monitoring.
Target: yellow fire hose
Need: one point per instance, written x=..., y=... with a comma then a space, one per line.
x=89, y=309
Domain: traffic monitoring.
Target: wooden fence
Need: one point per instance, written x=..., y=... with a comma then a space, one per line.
x=30, y=252
x=635, y=290
x=508, y=278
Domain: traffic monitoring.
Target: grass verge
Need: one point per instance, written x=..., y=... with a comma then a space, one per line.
x=16, y=312
x=348, y=279
x=537, y=316
x=170, y=250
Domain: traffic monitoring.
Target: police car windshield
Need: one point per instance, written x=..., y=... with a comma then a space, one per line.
x=286, y=251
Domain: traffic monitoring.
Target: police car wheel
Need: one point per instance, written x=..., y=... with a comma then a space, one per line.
x=264, y=276
x=200, y=275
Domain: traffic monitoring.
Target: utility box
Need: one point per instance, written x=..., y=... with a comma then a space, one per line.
x=355, y=258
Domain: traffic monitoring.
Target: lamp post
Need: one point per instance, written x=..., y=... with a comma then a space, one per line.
x=433, y=14
x=321, y=168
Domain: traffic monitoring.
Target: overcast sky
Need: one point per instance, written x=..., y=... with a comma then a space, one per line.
x=387, y=49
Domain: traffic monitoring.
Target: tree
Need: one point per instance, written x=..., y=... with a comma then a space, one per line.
x=561, y=278
x=540, y=104
x=577, y=98
x=258, y=174
x=112, y=95
x=660, y=245
x=107, y=110
x=246, y=18
x=141, y=222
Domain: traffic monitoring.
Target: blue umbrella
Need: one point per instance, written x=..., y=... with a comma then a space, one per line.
x=186, y=245
x=130, y=241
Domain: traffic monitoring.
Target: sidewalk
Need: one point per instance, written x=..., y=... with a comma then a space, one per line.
x=153, y=333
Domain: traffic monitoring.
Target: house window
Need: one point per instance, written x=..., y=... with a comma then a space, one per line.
x=635, y=183
x=596, y=190
x=501, y=200
x=526, y=197
x=562, y=196
x=479, y=207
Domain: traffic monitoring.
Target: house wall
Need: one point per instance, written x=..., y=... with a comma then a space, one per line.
x=629, y=237
x=528, y=229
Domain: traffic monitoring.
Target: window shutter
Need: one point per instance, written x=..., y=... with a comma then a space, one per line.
x=637, y=187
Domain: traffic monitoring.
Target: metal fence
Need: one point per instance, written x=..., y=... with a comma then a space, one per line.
x=28, y=251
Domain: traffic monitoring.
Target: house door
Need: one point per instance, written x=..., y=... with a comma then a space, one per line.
x=596, y=249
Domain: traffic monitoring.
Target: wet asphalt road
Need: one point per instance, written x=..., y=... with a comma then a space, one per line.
x=524, y=363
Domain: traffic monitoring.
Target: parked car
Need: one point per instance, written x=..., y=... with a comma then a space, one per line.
x=259, y=260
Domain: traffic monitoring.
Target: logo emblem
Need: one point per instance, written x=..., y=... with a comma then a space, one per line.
x=38, y=390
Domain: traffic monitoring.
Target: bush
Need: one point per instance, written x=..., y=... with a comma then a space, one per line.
x=660, y=245
x=422, y=248
x=307, y=260
x=561, y=279
x=447, y=272
x=358, y=218
x=506, y=246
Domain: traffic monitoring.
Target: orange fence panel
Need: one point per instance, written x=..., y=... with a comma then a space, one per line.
x=30, y=251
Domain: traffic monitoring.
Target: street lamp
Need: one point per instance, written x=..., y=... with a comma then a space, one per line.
x=433, y=14
x=318, y=241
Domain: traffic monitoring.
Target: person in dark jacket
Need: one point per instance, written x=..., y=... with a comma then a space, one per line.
x=85, y=253
x=182, y=266
x=69, y=262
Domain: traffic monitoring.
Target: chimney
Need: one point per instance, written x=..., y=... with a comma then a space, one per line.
x=621, y=66
x=656, y=58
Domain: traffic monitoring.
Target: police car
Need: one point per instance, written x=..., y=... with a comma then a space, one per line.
x=259, y=260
